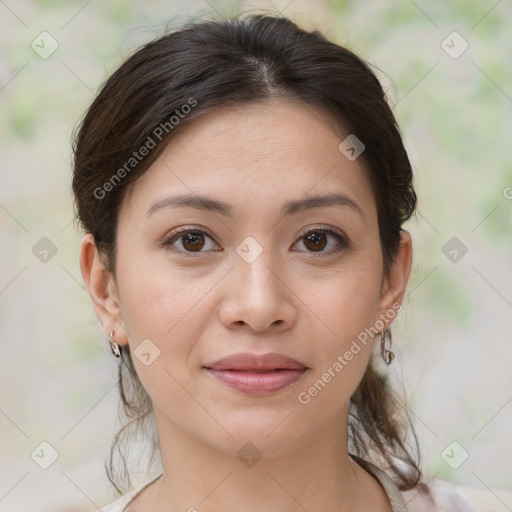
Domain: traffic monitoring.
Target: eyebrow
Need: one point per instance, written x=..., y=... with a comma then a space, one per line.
x=289, y=208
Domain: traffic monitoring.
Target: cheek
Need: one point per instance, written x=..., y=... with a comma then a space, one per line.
x=347, y=301
x=157, y=300
x=164, y=316
x=345, y=309
x=342, y=355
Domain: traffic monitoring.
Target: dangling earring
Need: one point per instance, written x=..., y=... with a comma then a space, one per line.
x=116, y=349
x=386, y=354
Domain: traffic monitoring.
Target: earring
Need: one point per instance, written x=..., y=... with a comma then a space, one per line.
x=386, y=354
x=116, y=349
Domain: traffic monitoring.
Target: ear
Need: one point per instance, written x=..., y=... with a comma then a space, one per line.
x=393, y=287
x=102, y=289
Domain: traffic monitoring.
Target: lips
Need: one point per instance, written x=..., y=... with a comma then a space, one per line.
x=254, y=362
x=257, y=374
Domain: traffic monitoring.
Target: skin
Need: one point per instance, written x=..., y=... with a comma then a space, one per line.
x=197, y=308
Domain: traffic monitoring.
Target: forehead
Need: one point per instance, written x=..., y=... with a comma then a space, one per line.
x=264, y=153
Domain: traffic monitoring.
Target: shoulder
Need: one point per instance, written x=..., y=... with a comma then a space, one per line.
x=120, y=504
x=445, y=498
x=116, y=506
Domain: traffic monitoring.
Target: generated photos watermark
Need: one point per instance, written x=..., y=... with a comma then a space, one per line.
x=150, y=143
x=304, y=397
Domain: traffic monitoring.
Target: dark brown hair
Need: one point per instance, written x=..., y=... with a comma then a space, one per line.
x=242, y=59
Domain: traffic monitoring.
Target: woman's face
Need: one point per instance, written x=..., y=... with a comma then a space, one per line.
x=272, y=270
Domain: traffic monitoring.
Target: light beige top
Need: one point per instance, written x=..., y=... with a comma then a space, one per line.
x=446, y=497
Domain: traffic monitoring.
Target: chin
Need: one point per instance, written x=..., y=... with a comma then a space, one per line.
x=256, y=439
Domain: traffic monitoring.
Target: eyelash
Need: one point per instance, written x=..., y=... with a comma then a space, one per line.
x=342, y=240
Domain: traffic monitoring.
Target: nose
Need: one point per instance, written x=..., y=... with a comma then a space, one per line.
x=257, y=294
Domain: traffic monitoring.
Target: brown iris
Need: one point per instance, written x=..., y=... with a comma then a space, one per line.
x=193, y=241
x=316, y=239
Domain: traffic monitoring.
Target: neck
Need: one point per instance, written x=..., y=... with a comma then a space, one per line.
x=316, y=475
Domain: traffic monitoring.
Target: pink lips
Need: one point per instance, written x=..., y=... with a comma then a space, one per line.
x=257, y=374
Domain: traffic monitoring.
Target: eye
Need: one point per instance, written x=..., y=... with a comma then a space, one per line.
x=191, y=240
x=316, y=239
x=194, y=240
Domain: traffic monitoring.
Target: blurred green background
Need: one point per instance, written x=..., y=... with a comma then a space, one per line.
x=453, y=338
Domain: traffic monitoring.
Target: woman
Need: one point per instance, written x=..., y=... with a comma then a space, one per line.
x=242, y=184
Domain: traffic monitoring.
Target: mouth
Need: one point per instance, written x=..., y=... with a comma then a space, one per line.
x=255, y=374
